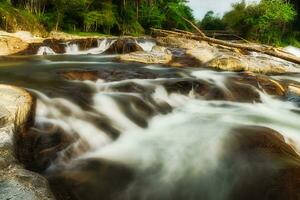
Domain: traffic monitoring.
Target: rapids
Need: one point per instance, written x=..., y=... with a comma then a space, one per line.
x=151, y=132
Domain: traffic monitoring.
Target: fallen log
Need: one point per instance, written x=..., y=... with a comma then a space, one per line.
x=268, y=50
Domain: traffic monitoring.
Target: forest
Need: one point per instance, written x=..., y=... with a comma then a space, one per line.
x=270, y=21
x=118, y=17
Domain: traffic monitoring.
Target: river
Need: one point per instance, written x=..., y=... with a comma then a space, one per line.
x=150, y=132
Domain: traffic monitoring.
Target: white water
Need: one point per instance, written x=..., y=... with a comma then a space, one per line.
x=272, y=113
x=103, y=45
x=292, y=50
x=45, y=51
x=179, y=151
x=146, y=45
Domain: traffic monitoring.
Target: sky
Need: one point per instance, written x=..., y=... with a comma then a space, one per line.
x=201, y=7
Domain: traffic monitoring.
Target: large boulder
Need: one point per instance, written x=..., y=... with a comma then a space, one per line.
x=263, y=165
x=11, y=45
x=16, y=116
x=123, y=45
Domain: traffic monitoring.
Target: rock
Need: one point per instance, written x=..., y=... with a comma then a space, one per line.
x=107, y=74
x=294, y=89
x=160, y=49
x=147, y=57
x=232, y=91
x=17, y=112
x=263, y=83
x=263, y=165
x=90, y=180
x=178, y=42
x=293, y=93
x=11, y=45
x=123, y=45
x=203, y=55
x=80, y=75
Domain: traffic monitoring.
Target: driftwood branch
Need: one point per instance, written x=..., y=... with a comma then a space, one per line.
x=271, y=51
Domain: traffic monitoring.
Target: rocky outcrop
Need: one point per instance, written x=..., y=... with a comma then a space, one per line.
x=11, y=45
x=16, y=115
x=193, y=53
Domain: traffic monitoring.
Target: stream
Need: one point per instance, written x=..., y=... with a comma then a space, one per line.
x=147, y=132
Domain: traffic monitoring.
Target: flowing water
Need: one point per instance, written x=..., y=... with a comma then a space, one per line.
x=150, y=132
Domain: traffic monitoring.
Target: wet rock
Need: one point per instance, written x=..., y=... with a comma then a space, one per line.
x=267, y=167
x=40, y=146
x=91, y=179
x=17, y=112
x=293, y=93
x=80, y=75
x=263, y=83
x=122, y=46
x=232, y=91
x=294, y=89
x=107, y=74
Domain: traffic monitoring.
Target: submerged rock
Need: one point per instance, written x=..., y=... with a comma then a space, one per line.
x=80, y=75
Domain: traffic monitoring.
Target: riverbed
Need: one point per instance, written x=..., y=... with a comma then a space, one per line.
x=111, y=130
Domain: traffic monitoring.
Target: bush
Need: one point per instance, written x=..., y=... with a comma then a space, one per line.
x=13, y=20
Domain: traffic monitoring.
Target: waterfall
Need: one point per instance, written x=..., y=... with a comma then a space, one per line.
x=45, y=51
x=146, y=45
x=102, y=45
x=72, y=48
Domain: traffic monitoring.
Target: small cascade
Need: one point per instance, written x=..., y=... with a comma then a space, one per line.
x=147, y=45
x=44, y=50
x=102, y=45
x=292, y=50
x=72, y=48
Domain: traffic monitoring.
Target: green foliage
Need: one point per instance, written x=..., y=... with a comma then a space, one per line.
x=129, y=24
x=106, y=19
x=126, y=17
x=268, y=21
x=13, y=19
x=175, y=12
x=212, y=22
x=151, y=16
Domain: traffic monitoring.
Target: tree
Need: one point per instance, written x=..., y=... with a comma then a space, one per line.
x=212, y=22
x=266, y=21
